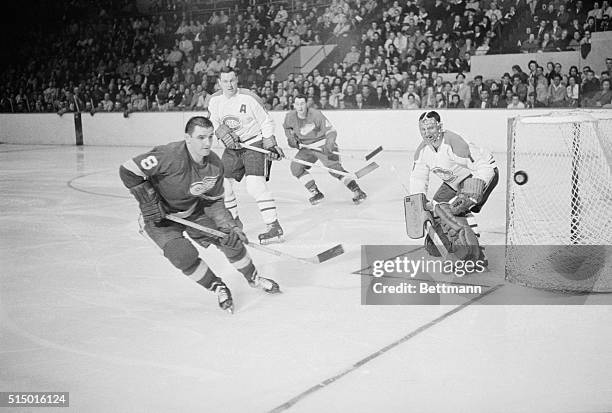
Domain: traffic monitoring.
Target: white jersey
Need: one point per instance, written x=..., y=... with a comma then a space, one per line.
x=453, y=162
x=243, y=113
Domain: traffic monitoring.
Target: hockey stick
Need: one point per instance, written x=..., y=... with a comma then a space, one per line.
x=319, y=258
x=358, y=174
x=368, y=156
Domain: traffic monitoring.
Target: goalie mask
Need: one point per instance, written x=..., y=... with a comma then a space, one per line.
x=430, y=127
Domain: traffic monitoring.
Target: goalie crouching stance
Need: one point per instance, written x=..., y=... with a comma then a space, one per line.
x=468, y=173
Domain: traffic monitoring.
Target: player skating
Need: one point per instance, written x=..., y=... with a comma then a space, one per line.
x=468, y=175
x=308, y=126
x=239, y=118
x=186, y=178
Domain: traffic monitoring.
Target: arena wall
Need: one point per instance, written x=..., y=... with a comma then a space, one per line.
x=359, y=130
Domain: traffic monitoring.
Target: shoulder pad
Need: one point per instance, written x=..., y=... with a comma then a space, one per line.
x=419, y=149
x=459, y=146
x=248, y=92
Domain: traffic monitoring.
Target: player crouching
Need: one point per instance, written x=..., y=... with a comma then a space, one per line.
x=308, y=126
x=186, y=178
x=468, y=173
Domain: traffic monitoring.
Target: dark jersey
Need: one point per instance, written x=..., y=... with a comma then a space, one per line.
x=179, y=180
x=313, y=128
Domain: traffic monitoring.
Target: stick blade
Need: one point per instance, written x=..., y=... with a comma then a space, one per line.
x=366, y=169
x=329, y=254
x=373, y=153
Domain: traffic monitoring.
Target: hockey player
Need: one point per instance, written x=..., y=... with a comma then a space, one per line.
x=468, y=175
x=186, y=178
x=308, y=126
x=240, y=118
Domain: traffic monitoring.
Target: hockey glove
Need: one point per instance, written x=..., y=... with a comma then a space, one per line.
x=229, y=138
x=469, y=195
x=329, y=148
x=233, y=237
x=293, y=142
x=149, y=202
x=276, y=153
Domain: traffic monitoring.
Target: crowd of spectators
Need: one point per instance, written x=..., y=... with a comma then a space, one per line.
x=103, y=56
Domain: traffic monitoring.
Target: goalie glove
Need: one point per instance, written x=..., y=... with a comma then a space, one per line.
x=469, y=195
x=149, y=202
x=233, y=237
x=463, y=240
x=269, y=144
x=229, y=138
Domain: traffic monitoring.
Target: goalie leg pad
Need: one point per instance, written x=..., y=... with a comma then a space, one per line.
x=181, y=253
x=463, y=240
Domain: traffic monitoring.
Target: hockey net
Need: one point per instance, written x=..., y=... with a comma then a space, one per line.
x=559, y=222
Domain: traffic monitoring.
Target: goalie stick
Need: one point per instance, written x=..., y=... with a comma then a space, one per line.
x=317, y=259
x=358, y=174
x=419, y=217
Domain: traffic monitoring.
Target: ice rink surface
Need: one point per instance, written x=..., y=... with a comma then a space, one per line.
x=89, y=306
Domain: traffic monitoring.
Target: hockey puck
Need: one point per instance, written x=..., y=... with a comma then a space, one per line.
x=520, y=177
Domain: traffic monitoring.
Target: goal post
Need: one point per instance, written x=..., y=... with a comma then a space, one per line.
x=559, y=202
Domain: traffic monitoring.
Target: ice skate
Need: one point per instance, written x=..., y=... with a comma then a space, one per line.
x=273, y=234
x=224, y=296
x=359, y=196
x=266, y=284
x=317, y=197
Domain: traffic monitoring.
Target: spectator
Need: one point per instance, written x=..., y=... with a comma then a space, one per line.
x=455, y=102
x=410, y=102
x=352, y=57
x=515, y=103
x=463, y=90
x=380, y=99
x=572, y=92
x=557, y=93
x=590, y=86
x=601, y=98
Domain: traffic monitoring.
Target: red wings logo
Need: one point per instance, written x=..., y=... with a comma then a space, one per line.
x=232, y=122
x=201, y=187
x=444, y=174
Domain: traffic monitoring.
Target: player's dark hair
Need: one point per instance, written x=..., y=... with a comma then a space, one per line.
x=197, y=121
x=300, y=96
x=432, y=114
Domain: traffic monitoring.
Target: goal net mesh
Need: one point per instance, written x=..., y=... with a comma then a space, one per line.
x=559, y=221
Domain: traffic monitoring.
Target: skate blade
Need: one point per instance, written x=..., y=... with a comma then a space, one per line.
x=276, y=240
x=228, y=308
